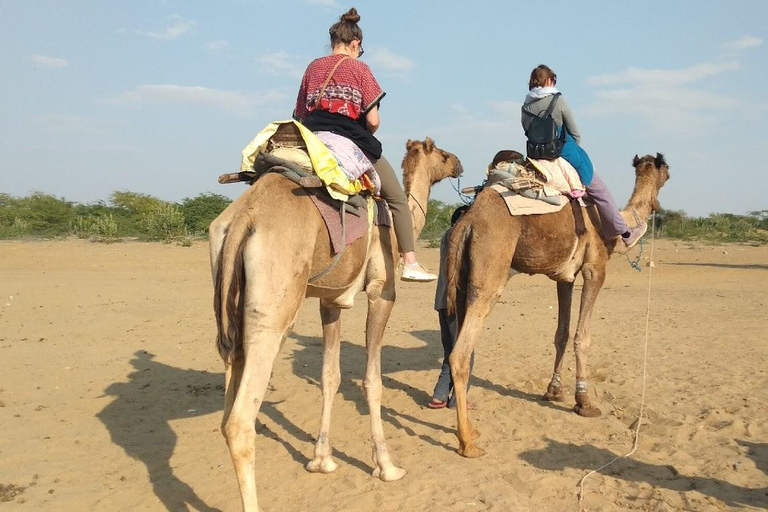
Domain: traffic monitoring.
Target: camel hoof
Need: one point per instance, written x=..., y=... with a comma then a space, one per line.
x=322, y=465
x=588, y=411
x=553, y=395
x=390, y=474
x=471, y=451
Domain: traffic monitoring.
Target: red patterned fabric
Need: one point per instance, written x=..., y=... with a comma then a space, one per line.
x=351, y=90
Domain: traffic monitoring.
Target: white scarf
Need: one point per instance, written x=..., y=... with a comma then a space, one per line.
x=540, y=92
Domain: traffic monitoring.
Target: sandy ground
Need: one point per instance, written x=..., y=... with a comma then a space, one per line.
x=111, y=391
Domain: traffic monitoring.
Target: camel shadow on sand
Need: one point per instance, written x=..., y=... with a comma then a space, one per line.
x=557, y=456
x=155, y=394
x=433, y=338
x=307, y=364
x=139, y=420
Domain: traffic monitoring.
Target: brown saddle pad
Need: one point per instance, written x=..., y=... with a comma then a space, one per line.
x=356, y=226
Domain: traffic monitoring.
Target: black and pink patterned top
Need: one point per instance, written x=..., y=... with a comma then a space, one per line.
x=351, y=91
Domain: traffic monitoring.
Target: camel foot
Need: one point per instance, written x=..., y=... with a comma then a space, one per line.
x=389, y=474
x=471, y=451
x=322, y=465
x=588, y=411
x=553, y=394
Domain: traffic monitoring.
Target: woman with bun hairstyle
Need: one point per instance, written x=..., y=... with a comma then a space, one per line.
x=541, y=91
x=339, y=94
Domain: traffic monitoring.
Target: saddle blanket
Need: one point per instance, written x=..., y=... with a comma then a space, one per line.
x=521, y=205
x=356, y=226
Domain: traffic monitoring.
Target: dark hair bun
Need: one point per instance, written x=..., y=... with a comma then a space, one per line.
x=350, y=16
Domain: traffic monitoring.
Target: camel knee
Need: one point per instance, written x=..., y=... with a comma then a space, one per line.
x=331, y=383
x=372, y=389
x=459, y=366
x=236, y=431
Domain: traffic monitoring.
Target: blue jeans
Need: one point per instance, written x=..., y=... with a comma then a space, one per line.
x=578, y=158
x=444, y=387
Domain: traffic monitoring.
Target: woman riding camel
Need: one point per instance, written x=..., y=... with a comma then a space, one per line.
x=541, y=92
x=339, y=94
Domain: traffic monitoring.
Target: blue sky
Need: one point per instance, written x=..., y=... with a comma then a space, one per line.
x=160, y=96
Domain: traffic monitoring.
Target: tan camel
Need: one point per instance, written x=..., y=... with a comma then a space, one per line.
x=264, y=248
x=488, y=246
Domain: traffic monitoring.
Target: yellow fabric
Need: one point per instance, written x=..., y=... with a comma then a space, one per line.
x=324, y=163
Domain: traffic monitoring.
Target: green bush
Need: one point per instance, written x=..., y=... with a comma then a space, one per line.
x=716, y=228
x=81, y=227
x=131, y=214
x=104, y=229
x=201, y=210
x=37, y=215
x=164, y=222
x=19, y=227
x=438, y=220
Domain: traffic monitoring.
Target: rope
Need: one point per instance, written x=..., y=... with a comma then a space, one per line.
x=645, y=374
x=635, y=264
x=466, y=199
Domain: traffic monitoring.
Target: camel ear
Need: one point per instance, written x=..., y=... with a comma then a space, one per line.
x=409, y=145
x=660, y=161
x=635, y=161
x=429, y=145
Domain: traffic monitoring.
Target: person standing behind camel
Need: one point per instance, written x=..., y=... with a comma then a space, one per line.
x=443, y=395
x=339, y=94
x=541, y=90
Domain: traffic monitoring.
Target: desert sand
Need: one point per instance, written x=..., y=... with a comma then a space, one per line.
x=112, y=389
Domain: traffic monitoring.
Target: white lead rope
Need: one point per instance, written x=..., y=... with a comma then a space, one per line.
x=645, y=366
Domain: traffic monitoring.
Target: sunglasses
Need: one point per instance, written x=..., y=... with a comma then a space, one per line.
x=360, y=51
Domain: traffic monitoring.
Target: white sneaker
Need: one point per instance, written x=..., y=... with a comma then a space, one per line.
x=418, y=273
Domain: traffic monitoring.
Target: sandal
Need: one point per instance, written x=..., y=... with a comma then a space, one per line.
x=437, y=404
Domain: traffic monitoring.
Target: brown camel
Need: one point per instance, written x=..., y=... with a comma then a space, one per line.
x=264, y=248
x=488, y=246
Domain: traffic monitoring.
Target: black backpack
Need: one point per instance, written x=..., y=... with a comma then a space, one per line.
x=543, y=141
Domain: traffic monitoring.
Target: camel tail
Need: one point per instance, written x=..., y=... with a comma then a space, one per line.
x=229, y=295
x=456, y=268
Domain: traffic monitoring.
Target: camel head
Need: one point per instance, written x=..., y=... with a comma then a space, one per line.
x=424, y=165
x=425, y=160
x=651, y=173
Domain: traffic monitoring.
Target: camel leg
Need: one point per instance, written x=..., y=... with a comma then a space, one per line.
x=266, y=323
x=564, y=301
x=485, y=286
x=232, y=378
x=459, y=362
x=381, y=299
x=331, y=318
x=593, y=281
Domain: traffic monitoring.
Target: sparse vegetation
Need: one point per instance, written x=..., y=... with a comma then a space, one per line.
x=144, y=217
x=125, y=215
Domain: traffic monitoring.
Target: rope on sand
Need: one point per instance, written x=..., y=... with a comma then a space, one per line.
x=645, y=366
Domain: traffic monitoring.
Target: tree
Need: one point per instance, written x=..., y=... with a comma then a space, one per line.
x=200, y=210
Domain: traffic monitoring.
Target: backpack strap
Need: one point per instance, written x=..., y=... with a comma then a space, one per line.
x=327, y=80
x=549, y=110
x=552, y=103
